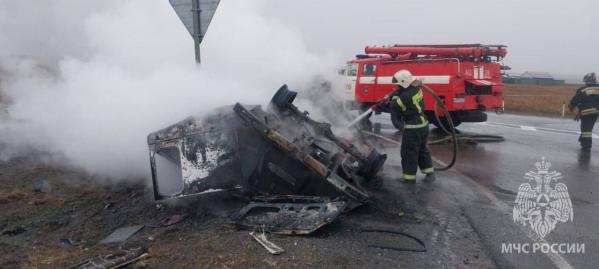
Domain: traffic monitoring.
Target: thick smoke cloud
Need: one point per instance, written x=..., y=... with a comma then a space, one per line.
x=88, y=80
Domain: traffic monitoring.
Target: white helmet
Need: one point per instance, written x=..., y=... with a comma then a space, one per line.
x=403, y=78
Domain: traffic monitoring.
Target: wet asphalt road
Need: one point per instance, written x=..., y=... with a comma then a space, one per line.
x=484, y=183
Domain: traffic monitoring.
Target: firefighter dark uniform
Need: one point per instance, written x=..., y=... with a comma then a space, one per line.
x=586, y=100
x=408, y=103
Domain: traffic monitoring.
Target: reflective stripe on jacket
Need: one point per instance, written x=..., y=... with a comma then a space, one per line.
x=586, y=99
x=409, y=104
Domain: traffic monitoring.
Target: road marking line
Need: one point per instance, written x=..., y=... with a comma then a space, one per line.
x=557, y=259
x=544, y=129
x=528, y=128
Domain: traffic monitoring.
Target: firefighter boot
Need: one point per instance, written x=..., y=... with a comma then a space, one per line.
x=407, y=180
x=429, y=178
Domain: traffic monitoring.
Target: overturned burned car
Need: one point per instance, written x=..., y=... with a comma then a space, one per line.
x=280, y=151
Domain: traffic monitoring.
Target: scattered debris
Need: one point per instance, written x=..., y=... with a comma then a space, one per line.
x=65, y=242
x=41, y=186
x=170, y=220
x=288, y=214
x=270, y=246
x=113, y=261
x=108, y=205
x=14, y=231
x=122, y=234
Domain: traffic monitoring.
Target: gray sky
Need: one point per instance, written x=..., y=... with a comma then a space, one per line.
x=542, y=35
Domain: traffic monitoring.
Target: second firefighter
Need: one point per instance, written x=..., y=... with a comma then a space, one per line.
x=586, y=100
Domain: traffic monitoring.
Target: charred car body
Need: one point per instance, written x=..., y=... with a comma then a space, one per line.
x=280, y=151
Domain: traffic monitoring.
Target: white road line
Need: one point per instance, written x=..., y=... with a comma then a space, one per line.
x=557, y=259
x=543, y=129
x=528, y=128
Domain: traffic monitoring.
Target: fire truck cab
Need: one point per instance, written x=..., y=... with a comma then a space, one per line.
x=466, y=77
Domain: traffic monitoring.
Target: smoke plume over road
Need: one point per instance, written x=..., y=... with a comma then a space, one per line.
x=88, y=80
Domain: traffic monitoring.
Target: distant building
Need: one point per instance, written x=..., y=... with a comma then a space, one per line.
x=537, y=75
x=533, y=78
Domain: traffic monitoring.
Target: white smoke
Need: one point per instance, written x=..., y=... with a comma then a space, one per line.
x=88, y=80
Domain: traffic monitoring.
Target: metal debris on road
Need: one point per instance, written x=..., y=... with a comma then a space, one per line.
x=108, y=205
x=66, y=242
x=113, y=261
x=168, y=221
x=122, y=234
x=288, y=215
x=270, y=246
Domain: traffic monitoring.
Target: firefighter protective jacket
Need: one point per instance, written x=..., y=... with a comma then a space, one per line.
x=409, y=105
x=586, y=99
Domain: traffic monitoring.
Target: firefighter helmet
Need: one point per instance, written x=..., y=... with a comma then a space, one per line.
x=403, y=78
x=590, y=78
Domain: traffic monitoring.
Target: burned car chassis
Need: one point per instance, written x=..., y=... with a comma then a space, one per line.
x=281, y=151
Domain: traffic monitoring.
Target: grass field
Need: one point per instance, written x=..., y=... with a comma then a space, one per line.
x=538, y=100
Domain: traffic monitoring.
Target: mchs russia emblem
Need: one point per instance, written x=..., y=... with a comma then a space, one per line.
x=541, y=205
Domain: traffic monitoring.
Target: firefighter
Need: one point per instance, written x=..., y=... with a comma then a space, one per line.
x=586, y=100
x=408, y=102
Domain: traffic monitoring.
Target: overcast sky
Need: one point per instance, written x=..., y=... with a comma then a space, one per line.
x=542, y=35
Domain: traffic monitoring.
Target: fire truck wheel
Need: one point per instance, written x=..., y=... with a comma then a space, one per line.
x=396, y=121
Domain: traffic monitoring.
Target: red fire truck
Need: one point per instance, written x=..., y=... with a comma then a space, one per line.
x=466, y=77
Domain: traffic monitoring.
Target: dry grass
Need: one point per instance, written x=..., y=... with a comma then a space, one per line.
x=30, y=198
x=538, y=100
x=12, y=196
x=41, y=257
x=47, y=199
x=45, y=257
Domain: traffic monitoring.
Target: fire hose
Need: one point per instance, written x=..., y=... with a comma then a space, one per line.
x=452, y=134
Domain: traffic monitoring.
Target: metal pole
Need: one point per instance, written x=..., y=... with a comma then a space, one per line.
x=197, y=28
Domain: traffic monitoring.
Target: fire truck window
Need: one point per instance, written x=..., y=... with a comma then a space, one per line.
x=352, y=70
x=369, y=70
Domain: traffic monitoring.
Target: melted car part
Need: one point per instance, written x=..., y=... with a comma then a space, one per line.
x=261, y=152
x=371, y=160
x=195, y=156
x=288, y=214
x=116, y=260
x=305, y=158
x=271, y=247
